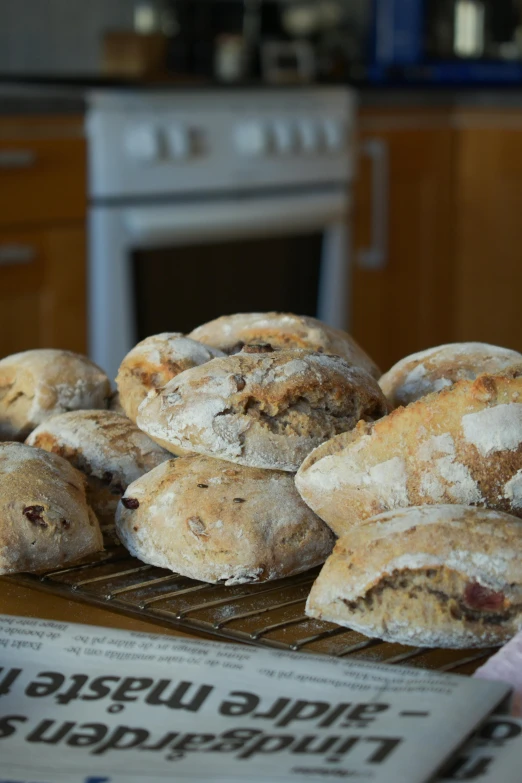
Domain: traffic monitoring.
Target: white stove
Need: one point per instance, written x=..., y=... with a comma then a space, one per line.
x=174, y=169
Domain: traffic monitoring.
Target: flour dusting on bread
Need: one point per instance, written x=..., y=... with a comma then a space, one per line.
x=513, y=490
x=494, y=429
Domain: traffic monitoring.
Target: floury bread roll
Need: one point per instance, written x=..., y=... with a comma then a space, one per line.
x=441, y=367
x=282, y=331
x=154, y=362
x=436, y=576
x=462, y=445
x=108, y=448
x=45, y=521
x=210, y=520
x=37, y=384
x=266, y=410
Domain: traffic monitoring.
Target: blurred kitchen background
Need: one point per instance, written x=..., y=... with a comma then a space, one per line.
x=163, y=162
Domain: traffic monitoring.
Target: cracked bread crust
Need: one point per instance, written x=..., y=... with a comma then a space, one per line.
x=462, y=445
x=154, y=362
x=213, y=521
x=45, y=521
x=35, y=385
x=267, y=410
x=283, y=331
x=107, y=448
x=439, y=368
x=433, y=576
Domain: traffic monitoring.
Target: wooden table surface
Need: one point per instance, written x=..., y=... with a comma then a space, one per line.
x=21, y=600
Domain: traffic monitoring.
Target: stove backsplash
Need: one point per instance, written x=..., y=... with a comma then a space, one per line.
x=64, y=38
x=58, y=37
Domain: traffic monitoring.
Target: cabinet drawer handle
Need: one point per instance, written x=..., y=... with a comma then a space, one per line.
x=17, y=159
x=376, y=256
x=16, y=254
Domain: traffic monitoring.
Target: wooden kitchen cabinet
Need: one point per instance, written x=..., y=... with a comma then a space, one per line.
x=42, y=288
x=42, y=171
x=43, y=198
x=402, y=273
x=446, y=234
x=488, y=237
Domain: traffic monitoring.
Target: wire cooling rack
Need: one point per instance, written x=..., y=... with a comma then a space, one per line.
x=270, y=614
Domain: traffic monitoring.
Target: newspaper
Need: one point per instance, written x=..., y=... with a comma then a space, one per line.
x=93, y=705
x=493, y=756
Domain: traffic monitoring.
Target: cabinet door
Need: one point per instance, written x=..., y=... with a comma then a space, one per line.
x=402, y=291
x=489, y=236
x=43, y=289
x=42, y=170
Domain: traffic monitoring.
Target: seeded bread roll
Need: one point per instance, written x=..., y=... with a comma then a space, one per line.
x=108, y=448
x=37, y=384
x=441, y=367
x=154, y=362
x=217, y=522
x=263, y=410
x=435, y=576
x=45, y=521
x=462, y=445
x=282, y=331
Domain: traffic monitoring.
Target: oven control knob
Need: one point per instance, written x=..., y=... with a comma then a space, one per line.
x=334, y=134
x=285, y=141
x=251, y=139
x=179, y=143
x=309, y=136
x=142, y=143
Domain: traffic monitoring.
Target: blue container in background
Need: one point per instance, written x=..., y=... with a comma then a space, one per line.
x=400, y=31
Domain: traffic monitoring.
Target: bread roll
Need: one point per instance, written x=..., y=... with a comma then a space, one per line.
x=462, y=445
x=435, y=576
x=217, y=522
x=45, y=522
x=282, y=331
x=37, y=384
x=108, y=448
x=154, y=362
x=441, y=367
x=263, y=410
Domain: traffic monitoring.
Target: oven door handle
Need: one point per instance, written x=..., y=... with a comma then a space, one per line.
x=227, y=220
x=376, y=256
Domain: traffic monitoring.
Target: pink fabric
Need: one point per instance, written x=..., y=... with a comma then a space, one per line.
x=506, y=665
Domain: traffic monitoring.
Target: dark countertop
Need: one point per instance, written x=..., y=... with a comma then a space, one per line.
x=18, y=97
x=500, y=98
x=69, y=96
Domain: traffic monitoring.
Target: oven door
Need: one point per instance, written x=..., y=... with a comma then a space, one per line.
x=170, y=267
